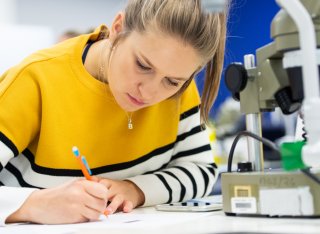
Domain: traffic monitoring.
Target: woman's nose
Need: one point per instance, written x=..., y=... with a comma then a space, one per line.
x=149, y=88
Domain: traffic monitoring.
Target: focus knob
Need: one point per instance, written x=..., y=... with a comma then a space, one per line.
x=236, y=78
x=286, y=102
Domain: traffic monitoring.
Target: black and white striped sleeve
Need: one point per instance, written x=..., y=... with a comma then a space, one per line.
x=7, y=150
x=191, y=172
x=11, y=198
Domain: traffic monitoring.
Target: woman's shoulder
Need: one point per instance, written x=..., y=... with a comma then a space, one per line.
x=61, y=51
x=70, y=48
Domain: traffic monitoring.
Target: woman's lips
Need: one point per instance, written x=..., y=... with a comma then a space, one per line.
x=136, y=101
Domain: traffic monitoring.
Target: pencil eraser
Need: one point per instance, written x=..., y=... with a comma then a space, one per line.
x=75, y=151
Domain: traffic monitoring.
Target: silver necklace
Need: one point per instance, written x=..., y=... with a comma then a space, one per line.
x=101, y=77
x=101, y=65
x=130, y=124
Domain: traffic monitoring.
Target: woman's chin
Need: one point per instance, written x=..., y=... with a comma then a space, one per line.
x=132, y=109
x=129, y=108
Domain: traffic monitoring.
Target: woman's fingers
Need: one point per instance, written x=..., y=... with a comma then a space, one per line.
x=95, y=189
x=127, y=206
x=122, y=195
x=90, y=214
x=95, y=203
x=116, y=202
x=107, y=183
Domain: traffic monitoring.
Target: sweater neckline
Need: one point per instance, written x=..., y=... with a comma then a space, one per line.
x=80, y=71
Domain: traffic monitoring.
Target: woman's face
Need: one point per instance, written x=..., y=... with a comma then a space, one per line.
x=148, y=68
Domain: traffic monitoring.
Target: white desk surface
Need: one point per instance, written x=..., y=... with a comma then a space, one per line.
x=208, y=222
x=217, y=222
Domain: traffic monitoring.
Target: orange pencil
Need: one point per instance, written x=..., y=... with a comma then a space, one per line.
x=84, y=167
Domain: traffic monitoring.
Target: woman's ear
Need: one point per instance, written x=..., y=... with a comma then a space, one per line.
x=117, y=26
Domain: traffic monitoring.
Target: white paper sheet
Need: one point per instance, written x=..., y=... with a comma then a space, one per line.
x=121, y=222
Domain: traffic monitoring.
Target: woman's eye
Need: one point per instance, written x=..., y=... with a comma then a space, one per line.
x=172, y=83
x=142, y=67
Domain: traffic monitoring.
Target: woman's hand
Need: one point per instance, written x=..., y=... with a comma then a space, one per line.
x=123, y=195
x=74, y=202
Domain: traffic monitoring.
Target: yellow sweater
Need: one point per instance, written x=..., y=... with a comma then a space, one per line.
x=50, y=103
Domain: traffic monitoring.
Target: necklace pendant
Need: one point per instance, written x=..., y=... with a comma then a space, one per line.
x=130, y=125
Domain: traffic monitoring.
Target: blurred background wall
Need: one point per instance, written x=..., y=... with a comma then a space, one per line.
x=27, y=26
x=60, y=15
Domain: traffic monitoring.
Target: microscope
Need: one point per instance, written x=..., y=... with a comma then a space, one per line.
x=283, y=75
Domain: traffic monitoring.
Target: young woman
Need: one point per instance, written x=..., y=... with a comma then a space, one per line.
x=126, y=97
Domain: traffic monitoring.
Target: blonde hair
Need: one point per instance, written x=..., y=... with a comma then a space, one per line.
x=185, y=19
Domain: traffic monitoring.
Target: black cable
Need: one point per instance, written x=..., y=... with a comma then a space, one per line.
x=312, y=176
x=250, y=134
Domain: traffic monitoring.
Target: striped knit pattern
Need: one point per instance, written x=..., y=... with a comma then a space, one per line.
x=171, y=167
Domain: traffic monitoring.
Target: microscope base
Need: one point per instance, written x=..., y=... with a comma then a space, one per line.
x=270, y=193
